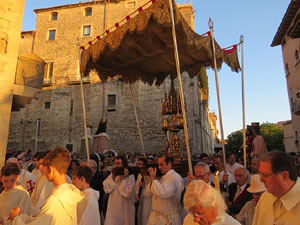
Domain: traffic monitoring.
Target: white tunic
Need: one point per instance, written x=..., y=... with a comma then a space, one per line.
x=27, y=181
x=40, y=193
x=145, y=201
x=88, y=208
x=120, y=207
x=36, y=172
x=166, y=199
x=17, y=196
x=60, y=208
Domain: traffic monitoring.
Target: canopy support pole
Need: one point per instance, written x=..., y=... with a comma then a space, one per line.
x=180, y=89
x=137, y=119
x=211, y=25
x=83, y=105
x=243, y=101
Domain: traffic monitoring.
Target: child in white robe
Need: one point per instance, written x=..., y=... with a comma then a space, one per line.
x=26, y=179
x=13, y=195
x=88, y=208
x=61, y=206
x=42, y=187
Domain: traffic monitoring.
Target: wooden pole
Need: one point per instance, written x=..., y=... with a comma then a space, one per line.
x=180, y=89
x=243, y=100
x=137, y=120
x=83, y=106
x=211, y=25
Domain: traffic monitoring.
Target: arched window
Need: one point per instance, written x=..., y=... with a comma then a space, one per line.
x=297, y=55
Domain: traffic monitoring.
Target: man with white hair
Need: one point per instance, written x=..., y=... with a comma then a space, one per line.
x=238, y=194
x=201, y=172
x=205, y=205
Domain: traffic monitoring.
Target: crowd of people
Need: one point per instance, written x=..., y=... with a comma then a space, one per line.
x=57, y=187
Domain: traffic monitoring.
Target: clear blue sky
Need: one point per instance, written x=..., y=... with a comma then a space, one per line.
x=265, y=84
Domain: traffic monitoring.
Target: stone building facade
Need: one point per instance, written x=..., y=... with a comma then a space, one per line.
x=288, y=36
x=59, y=108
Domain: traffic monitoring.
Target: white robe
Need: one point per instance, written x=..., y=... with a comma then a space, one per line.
x=220, y=175
x=88, y=208
x=27, y=181
x=36, y=172
x=60, y=208
x=17, y=196
x=120, y=207
x=166, y=199
x=145, y=201
x=40, y=193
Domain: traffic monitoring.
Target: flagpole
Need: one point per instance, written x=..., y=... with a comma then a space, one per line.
x=83, y=106
x=137, y=120
x=243, y=100
x=211, y=25
x=180, y=89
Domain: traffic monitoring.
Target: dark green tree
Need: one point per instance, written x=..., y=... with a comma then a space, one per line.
x=234, y=142
x=271, y=132
x=273, y=135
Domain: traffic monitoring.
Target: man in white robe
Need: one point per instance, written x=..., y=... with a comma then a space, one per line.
x=143, y=198
x=224, y=179
x=13, y=195
x=36, y=171
x=88, y=208
x=120, y=207
x=167, y=192
x=26, y=179
x=232, y=165
x=61, y=206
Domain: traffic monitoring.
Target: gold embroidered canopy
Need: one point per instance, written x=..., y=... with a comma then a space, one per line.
x=142, y=48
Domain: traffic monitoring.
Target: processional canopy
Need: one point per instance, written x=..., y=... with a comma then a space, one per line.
x=142, y=48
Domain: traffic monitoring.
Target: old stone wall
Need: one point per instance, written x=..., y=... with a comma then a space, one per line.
x=26, y=42
x=60, y=126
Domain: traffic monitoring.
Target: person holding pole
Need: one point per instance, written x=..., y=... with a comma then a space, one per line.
x=166, y=192
x=225, y=179
x=120, y=185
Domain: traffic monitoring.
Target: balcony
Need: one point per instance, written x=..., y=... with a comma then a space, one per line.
x=296, y=107
x=75, y=80
x=47, y=82
x=28, y=80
